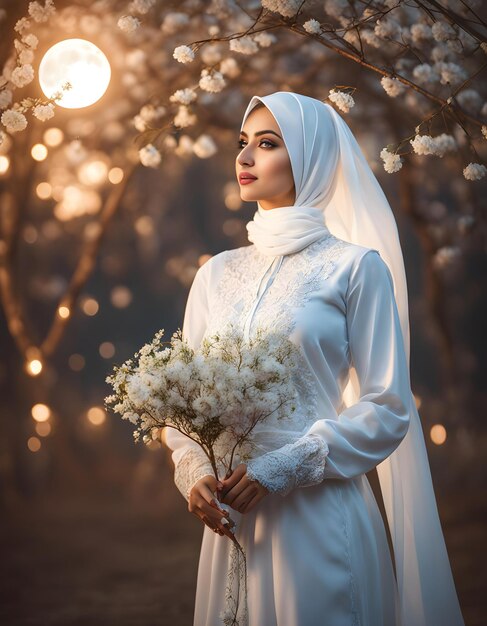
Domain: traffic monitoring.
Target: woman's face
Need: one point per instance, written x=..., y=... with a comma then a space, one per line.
x=264, y=156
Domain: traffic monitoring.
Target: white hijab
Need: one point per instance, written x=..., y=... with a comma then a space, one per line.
x=336, y=191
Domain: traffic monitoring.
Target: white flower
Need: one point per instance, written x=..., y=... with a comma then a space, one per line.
x=183, y=96
x=212, y=82
x=211, y=54
x=450, y=73
x=343, y=101
x=173, y=22
x=183, y=54
x=185, y=146
x=368, y=35
x=149, y=112
x=425, y=144
x=229, y=67
x=5, y=98
x=425, y=73
x=392, y=86
x=264, y=39
x=22, y=75
x=439, y=53
x=420, y=32
x=442, y=31
x=26, y=56
x=244, y=45
x=150, y=156
x=474, y=171
x=312, y=26
x=184, y=117
x=444, y=143
x=387, y=28
x=43, y=112
x=204, y=147
x=392, y=162
x=22, y=24
x=484, y=131
x=13, y=121
x=139, y=123
x=470, y=100
x=141, y=6
x=41, y=13
x=128, y=23
x=287, y=8
x=31, y=41
x=445, y=256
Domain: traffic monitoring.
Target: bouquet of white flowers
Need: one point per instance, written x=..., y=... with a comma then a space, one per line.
x=215, y=395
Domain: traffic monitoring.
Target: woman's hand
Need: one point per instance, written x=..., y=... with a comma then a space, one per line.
x=203, y=504
x=241, y=493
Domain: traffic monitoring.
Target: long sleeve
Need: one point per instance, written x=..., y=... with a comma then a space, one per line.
x=190, y=462
x=367, y=432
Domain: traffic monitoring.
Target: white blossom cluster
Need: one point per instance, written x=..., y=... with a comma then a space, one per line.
x=183, y=54
x=392, y=162
x=244, y=45
x=128, y=23
x=183, y=96
x=41, y=13
x=150, y=156
x=141, y=6
x=14, y=121
x=439, y=145
x=174, y=22
x=445, y=256
x=212, y=81
x=287, y=8
x=312, y=26
x=392, y=86
x=216, y=394
x=204, y=147
x=343, y=101
x=184, y=117
x=474, y=171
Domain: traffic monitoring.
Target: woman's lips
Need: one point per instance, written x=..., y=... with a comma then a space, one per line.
x=246, y=181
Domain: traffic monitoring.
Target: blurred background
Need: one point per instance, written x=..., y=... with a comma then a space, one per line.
x=110, y=203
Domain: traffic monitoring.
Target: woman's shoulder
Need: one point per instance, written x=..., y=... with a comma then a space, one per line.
x=220, y=259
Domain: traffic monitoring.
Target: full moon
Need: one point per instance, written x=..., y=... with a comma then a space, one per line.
x=80, y=63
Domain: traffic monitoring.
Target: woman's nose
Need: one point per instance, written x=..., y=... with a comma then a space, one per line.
x=245, y=158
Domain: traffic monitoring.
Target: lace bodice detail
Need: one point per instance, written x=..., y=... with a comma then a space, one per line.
x=298, y=277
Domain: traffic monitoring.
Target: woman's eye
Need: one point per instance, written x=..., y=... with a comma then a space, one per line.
x=241, y=141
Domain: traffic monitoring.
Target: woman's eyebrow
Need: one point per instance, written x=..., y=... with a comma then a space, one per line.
x=260, y=132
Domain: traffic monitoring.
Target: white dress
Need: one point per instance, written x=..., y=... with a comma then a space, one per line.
x=316, y=547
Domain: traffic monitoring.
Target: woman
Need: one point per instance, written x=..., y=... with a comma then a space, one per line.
x=325, y=267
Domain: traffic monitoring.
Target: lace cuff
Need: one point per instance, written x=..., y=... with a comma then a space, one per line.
x=193, y=465
x=298, y=464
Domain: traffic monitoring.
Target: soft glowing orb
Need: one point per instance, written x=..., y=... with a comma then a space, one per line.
x=80, y=63
x=53, y=136
x=34, y=367
x=4, y=164
x=41, y=412
x=96, y=415
x=39, y=152
x=438, y=434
